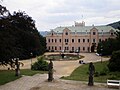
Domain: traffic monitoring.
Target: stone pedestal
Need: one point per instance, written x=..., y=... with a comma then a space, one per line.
x=50, y=71
x=50, y=76
x=90, y=83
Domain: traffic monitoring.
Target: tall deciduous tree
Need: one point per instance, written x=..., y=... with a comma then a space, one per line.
x=18, y=37
x=114, y=62
x=107, y=47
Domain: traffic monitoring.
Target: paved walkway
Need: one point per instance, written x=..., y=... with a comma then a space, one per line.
x=62, y=68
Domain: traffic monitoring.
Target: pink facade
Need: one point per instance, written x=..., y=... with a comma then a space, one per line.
x=77, y=38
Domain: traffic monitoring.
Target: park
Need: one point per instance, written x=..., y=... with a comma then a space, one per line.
x=75, y=57
x=62, y=79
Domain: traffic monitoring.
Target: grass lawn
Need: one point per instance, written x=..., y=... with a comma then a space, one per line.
x=9, y=75
x=101, y=75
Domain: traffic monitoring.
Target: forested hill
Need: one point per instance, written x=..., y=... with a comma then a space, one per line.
x=115, y=25
x=43, y=33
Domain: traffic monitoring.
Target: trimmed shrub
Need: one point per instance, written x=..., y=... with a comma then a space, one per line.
x=96, y=74
x=71, y=51
x=41, y=64
x=113, y=77
x=114, y=62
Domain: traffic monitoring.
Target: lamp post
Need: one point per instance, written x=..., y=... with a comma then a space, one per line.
x=31, y=59
x=101, y=52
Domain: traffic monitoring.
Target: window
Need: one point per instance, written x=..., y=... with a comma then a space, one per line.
x=49, y=47
x=52, y=47
x=83, y=48
x=66, y=43
x=88, y=49
x=66, y=40
x=55, y=48
x=112, y=34
x=72, y=40
x=86, y=31
x=48, y=40
x=66, y=48
x=52, y=40
x=79, y=40
x=66, y=33
x=79, y=48
x=94, y=40
x=55, y=40
x=59, y=40
x=83, y=40
x=72, y=48
x=102, y=32
x=99, y=40
x=60, y=48
x=88, y=40
x=94, y=33
x=52, y=34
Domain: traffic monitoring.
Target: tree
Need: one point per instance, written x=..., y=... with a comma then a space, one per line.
x=107, y=47
x=19, y=37
x=41, y=64
x=3, y=11
x=114, y=62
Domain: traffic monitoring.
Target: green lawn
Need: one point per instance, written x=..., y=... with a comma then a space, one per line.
x=101, y=75
x=9, y=75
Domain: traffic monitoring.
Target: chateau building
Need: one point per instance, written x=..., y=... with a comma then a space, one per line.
x=78, y=37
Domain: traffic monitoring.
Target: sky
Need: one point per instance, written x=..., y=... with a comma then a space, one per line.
x=49, y=14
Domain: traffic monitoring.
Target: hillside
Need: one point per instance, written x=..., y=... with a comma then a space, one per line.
x=115, y=25
x=43, y=33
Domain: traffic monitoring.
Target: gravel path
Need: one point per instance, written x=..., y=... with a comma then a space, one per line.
x=62, y=68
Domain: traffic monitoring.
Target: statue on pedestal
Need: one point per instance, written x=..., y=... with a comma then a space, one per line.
x=50, y=71
x=17, y=70
x=62, y=55
x=91, y=74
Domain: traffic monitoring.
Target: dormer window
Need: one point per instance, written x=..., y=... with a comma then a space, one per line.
x=102, y=32
x=52, y=34
x=111, y=34
x=86, y=31
x=66, y=33
x=94, y=33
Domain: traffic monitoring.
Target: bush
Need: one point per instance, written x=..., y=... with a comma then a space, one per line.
x=47, y=50
x=41, y=64
x=96, y=74
x=71, y=51
x=52, y=50
x=114, y=62
x=113, y=77
x=102, y=73
x=105, y=71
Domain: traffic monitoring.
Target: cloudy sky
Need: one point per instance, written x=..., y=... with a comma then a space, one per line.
x=50, y=14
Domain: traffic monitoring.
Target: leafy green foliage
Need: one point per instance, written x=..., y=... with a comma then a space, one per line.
x=102, y=73
x=41, y=64
x=114, y=62
x=107, y=47
x=111, y=47
x=19, y=37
